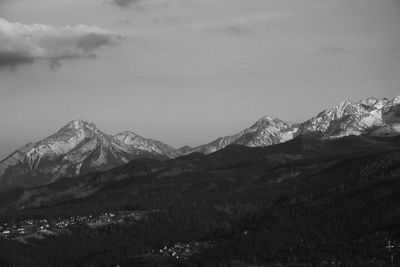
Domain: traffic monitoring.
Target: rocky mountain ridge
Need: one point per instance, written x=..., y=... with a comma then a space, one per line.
x=376, y=117
x=80, y=147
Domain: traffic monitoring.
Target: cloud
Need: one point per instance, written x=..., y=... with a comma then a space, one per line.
x=125, y=3
x=23, y=44
x=141, y=5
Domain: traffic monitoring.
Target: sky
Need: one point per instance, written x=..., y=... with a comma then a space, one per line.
x=188, y=71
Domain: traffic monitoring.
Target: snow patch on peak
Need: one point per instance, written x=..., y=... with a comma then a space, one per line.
x=76, y=124
x=370, y=101
x=133, y=143
x=374, y=103
x=80, y=125
x=267, y=118
x=267, y=121
x=129, y=138
x=288, y=134
x=340, y=110
x=126, y=135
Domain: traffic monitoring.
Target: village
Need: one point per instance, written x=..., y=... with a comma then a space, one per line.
x=15, y=229
x=182, y=251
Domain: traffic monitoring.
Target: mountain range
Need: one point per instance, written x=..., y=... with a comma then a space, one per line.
x=375, y=117
x=80, y=147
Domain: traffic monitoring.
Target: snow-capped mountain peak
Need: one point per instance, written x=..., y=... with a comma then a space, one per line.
x=62, y=142
x=340, y=110
x=264, y=132
x=266, y=121
x=350, y=118
x=78, y=147
x=80, y=125
x=380, y=116
x=76, y=124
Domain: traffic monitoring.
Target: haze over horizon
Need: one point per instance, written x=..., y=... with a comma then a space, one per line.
x=188, y=71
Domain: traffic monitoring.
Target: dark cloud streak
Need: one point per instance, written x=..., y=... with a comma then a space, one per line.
x=10, y=61
x=236, y=30
x=125, y=3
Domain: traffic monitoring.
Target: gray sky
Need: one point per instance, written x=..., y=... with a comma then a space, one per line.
x=188, y=71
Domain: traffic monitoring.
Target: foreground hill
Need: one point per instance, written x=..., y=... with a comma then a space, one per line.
x=125, y=181
x=305, y=201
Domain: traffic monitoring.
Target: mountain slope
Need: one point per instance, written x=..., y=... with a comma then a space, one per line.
x=368, y=116
x=376, y=117
x=79, y=147
x=266, y=131
x=132, y=143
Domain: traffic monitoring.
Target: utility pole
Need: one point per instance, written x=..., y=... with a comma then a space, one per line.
x=389, y=248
